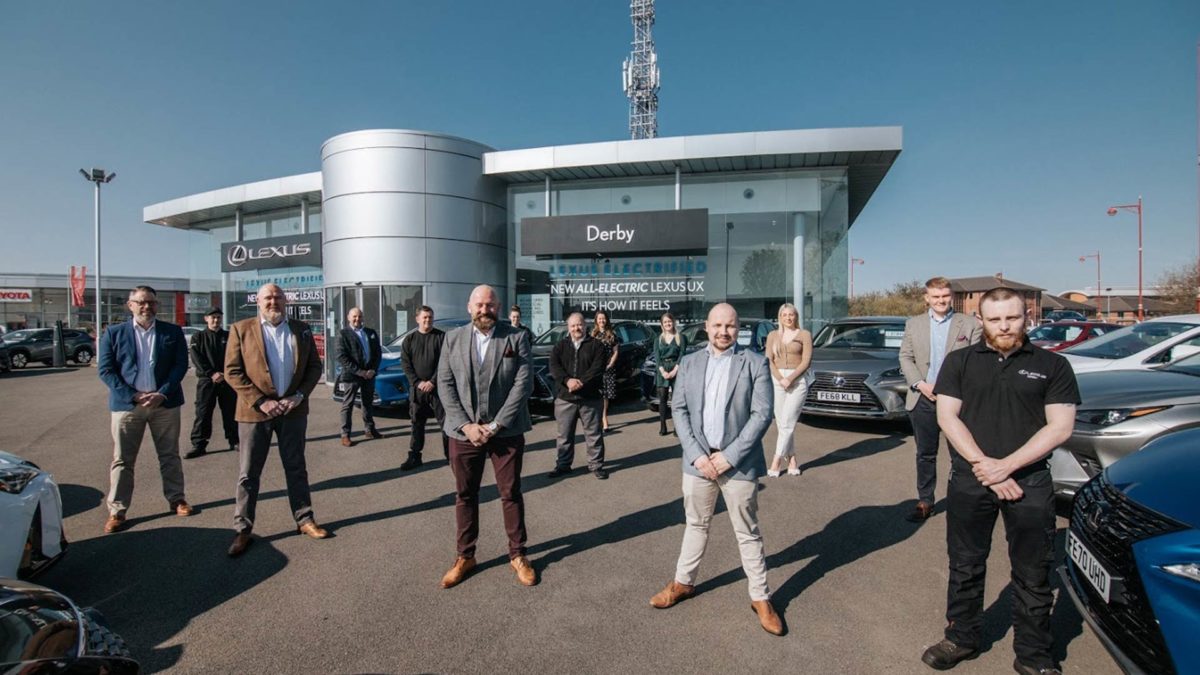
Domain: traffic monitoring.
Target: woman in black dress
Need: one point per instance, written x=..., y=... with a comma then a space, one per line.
x=602, y=331
x=668, y=349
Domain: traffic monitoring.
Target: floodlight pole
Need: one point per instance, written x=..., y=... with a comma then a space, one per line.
x=98, y=176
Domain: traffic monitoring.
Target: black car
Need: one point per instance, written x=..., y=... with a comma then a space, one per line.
x=5, y=364
x=37, y=344
x=637, y=340
x=752, y=334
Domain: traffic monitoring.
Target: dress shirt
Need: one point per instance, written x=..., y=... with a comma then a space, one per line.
x=144, y=339
x=482, y=340
x=277, y=343
x=576, y=343
x=716, y=384
x=939, y=332
x=362, y=340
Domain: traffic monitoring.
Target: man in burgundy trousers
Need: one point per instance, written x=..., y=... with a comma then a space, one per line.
x=484, y=382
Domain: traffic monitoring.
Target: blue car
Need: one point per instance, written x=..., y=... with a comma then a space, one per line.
x=1133, y=556
x=391, y=384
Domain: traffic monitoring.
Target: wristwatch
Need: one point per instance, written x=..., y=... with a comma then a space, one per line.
x=492, y=427
x=916, y=387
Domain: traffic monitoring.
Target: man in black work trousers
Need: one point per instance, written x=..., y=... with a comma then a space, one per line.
x=208, y=358
x=1004, y=405
x=358, y=355
x=419, y=358
x=577, y=365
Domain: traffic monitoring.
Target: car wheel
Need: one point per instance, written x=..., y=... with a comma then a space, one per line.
x=101, y=641
x=18, y=360
x=83, y=356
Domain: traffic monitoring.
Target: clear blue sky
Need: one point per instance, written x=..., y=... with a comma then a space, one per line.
x=1023, y=120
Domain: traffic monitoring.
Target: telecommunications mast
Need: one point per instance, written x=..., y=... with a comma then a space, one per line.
x=640, y=73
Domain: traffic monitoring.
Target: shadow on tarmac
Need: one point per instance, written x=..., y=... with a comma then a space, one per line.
x=77, y=499
x=856, y=450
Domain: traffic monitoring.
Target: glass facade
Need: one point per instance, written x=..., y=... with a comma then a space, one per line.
x=51, y=304
x=773, y=237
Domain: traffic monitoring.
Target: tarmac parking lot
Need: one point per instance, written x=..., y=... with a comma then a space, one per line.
x=860, y=589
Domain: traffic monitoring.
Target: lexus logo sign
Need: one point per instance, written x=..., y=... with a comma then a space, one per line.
x=302, y=250
x=16, y=295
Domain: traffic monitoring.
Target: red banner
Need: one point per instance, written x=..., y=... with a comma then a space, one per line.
x=78, y=284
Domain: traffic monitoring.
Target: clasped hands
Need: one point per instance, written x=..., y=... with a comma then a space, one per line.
x=478, y=434
x=148, y=399
x=366, y=374
x=574, y=384
x=425, y=386
x=996, y=475
x=712, y=466
x=277, y=407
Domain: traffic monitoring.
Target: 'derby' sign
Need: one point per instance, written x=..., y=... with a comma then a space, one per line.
x=301, y=250
x=16, y=295
x=616, y=234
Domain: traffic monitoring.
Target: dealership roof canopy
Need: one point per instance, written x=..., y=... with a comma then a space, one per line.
x=195, y=211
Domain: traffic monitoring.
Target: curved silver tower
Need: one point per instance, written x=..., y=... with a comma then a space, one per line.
x=413, y=208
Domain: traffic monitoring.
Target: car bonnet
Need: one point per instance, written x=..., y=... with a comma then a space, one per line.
x=1163, y=476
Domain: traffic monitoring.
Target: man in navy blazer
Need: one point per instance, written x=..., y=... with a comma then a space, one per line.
x=142, y=362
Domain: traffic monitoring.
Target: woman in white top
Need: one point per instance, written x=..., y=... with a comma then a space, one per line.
x=789, y=352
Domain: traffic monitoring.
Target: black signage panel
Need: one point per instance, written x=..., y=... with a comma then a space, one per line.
x=300, y=250
x=614, y=234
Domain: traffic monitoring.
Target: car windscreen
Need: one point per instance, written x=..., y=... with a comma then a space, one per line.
x=1056, y=332
x=18, y=335
x=1189, y=365
x=444, y=325
x=1129, y=340
x=882, y=335
x=551, y=336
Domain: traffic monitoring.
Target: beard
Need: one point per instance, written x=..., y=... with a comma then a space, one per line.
x=1003, y=343
x=272, y=315
x=484, y=320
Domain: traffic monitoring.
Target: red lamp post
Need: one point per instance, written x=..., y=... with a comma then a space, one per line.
x=1099, y=292
x=853, y=262
x=1112, y=211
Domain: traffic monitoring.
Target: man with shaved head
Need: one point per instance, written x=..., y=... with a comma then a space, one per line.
x=358, y=355
x=272, y=363
x=577, y=365
x=484, y=382
x=722, y=408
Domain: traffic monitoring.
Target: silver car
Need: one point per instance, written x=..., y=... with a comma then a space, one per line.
x=855, y=370
x=1121, y=412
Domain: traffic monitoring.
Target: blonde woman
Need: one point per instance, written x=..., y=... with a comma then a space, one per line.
x=789, y=352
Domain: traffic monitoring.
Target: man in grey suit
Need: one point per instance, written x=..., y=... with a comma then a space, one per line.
x=928, y=338
x=484, y=383
x=722, y=407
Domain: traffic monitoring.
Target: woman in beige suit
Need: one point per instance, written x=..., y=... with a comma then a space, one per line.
x=789, y=351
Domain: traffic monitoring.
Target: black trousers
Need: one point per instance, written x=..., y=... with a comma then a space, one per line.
x=664, y=406
x=209, y=395
x=367, y=389
x=927, y=435
x=1029, y=529
x=422, y=406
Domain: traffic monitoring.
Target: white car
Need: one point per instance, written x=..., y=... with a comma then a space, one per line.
x=31, y=528
x=1142, y=346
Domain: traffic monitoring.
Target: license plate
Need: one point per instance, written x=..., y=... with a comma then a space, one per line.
x=1089, y=566
x=839, y=396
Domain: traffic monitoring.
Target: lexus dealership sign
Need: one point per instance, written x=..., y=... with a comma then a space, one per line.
x=614, y=234
x=301, y=250
x=16, y=295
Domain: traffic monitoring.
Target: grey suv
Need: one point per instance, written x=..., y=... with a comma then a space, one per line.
x=37, y=344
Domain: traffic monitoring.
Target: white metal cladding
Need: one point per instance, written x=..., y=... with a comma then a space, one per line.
x=410, y=207
x=266, y=195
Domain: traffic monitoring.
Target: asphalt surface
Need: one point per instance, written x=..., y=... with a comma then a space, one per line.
x=860, y=589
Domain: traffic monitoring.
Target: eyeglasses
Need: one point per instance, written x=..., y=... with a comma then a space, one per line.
x=143, y=303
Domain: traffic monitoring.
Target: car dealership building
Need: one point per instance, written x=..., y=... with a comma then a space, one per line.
x=399, y=218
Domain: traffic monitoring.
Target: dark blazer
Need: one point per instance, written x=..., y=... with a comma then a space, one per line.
x=496, y=392
x=350, y=354
x=586, y=364
x=247, y=371
x=117, y=363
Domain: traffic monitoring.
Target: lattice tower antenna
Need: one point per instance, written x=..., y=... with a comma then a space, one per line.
x=640, y=73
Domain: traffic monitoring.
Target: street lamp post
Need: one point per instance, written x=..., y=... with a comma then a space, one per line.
x=1112, y=211
x=853, y=262
x=98, y=176
x=1099, y=293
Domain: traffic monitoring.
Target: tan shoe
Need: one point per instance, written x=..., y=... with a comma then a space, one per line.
x=241, y=541
x=115, y=523
x=462, y=567
x=525, y=572
x=672, y=595
x=313, y=530
x=767, y=617
x=346, y=442
x=181, y=508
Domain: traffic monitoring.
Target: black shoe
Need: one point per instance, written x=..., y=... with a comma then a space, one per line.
x=663, y=431
x=559, y=471
x=600, y=473
x=411, y=463
x=1031, y=670
x=922, y=512
x=945, y=655
x=196, y=452
x=233, y=445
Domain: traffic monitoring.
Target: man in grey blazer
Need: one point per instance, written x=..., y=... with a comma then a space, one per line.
x=484, y=382
x=928, y=338
x=722, y=407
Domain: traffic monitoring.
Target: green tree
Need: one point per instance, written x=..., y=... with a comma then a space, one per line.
x=904, y=299
x=764, y=273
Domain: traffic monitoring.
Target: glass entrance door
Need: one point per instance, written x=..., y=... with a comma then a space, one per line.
x=390, y=310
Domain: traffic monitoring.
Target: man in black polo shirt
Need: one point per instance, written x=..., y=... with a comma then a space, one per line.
x=1004, y=405
x=419, y=358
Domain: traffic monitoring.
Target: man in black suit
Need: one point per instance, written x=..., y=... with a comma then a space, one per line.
x=358, y=355
x=208, y=357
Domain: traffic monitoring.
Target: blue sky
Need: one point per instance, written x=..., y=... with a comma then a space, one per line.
x=1022, y=120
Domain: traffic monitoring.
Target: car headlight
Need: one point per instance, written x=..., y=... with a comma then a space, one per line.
x=1107, y=418
x=1187, y=571
x=894, y=372
x=14, y=479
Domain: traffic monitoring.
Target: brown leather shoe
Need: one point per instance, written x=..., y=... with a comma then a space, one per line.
x=115, y=523
x=672, y=595
x=462, y=567
x=767, y=617
x=181, y=508
x=920, y=513
x=371, y=433
x=525, y=572
x=241, y=541
x=346, y=442
x=313, y=530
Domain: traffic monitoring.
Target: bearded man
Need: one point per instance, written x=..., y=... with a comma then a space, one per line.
x=1004, y=405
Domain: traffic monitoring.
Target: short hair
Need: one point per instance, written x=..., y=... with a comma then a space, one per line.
x=1000, y=294
x=937, y=282
x=582, y=318
x=424, y=308
x=143, y=289
x=514, y=308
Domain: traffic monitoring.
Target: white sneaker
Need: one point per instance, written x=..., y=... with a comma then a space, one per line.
x=794, y=472
x=772, y=474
